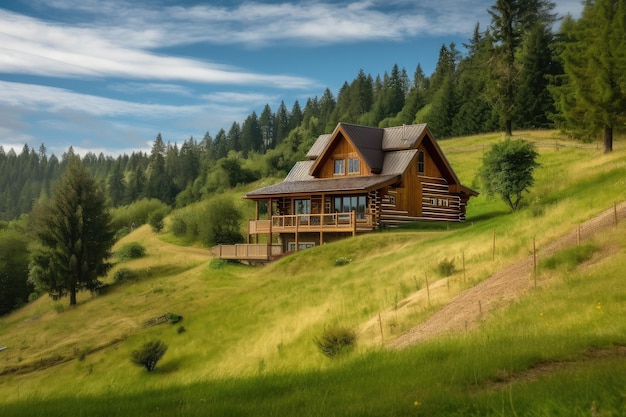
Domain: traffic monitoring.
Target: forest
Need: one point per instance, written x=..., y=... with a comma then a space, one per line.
x=518, y=73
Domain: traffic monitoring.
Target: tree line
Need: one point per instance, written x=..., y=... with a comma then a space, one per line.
x=516, y=74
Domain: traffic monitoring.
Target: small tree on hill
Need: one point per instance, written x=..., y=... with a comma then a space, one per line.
x=149, y=354
x=507, y=170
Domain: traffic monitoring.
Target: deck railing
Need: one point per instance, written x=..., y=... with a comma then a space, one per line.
x=327, y=222
x=260, y=252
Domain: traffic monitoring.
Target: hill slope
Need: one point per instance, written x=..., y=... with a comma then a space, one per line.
x=241, y=322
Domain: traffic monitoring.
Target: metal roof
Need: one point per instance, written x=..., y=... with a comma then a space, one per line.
x=319, y=146
x=396, y=162
x=300, y=171
x=326, y=185
x=402, y=137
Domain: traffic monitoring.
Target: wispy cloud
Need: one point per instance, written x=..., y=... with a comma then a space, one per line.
x=31, y=46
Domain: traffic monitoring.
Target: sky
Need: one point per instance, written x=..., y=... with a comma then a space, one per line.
x=109, y=75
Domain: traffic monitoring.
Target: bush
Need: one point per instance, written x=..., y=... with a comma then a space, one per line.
x=149, y=354
x=336, y=341
x=155, y=220
x=132, y=250
x=178, y=226
x=124, y=274
x=137, y=212
x=446, y=267
x=342, y=261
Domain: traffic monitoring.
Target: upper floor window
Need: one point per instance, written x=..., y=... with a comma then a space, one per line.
x=340, y=167
x=420, y=162
x=353, y=166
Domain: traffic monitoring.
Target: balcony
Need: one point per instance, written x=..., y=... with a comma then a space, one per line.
x=328, y=222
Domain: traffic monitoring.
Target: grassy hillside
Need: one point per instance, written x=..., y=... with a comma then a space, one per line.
x=247, y=346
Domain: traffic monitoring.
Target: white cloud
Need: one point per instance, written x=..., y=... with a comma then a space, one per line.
x=53, y=99
x=30, y=46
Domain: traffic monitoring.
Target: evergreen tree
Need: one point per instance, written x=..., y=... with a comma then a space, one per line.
x=267, y=124
x=117, y=185
x=251, y=135
x=296, y=116
x=510, y=19
x=234, y=138
x=591, y=96
x=14, y=285
x=75, y=236
x=282, y=123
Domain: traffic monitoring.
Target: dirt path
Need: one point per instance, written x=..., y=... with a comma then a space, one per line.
x=465, y=310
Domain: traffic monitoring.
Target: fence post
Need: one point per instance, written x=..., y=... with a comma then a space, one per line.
x=535, y=260
x=427, y=288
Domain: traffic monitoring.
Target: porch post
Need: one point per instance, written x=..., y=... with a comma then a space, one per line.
x=269, y=239
x=322, y=219
x=297, y=235
x=353, y=218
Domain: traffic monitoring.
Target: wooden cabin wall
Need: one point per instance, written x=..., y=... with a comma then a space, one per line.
x=342, y=150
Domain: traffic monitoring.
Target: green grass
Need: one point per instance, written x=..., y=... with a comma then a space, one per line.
x=249, y=349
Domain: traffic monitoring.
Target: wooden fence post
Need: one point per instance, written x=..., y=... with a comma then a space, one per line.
x=535, y=260
x=427, y=288
x=463, y=266
x=380, y=324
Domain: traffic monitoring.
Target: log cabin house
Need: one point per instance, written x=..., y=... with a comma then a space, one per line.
x=356, y=180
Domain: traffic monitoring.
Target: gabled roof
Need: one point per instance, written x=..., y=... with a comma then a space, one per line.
x=387, y=151
x=326, y=185
x=367, y=142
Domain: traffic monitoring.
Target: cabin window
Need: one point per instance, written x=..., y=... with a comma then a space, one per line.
x=291, y=246
x=348, y=204
x=302, y=206
x=340, y=167
x=353, y=166
x=420, y=162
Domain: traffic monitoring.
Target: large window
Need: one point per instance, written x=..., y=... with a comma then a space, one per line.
x=348, y=204
x=340, y=167
x=302, y=206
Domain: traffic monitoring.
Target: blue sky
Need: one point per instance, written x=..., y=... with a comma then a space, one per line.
x=108, y=76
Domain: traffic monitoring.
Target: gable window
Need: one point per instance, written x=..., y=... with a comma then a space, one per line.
x=340, y=167
x=420, y=162
x=353, y=166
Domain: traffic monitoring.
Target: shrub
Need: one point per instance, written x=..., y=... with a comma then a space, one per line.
x=132, y=250
x=121, y=232
x=149, y=354
x=155, y=220
x=124, y=274
x=342, y=261
x=336, y=341
x=178, y=226
x=445, y=268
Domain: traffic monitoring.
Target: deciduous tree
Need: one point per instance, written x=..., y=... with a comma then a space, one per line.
x=507, y=170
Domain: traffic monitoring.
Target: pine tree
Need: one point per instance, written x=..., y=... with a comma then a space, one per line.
x=75, y=236
x=591, y=96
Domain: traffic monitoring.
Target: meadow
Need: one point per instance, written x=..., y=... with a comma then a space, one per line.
x=245, y=345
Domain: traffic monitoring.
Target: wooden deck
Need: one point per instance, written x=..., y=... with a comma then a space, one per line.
x=253, y=252
x=329, y=222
